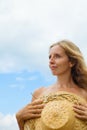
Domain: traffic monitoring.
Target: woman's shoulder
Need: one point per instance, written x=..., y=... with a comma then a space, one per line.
x=84, y=92
x=41, y=91
x=38, y=92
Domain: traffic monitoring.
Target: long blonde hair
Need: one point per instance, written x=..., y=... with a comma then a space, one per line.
x=79, y=69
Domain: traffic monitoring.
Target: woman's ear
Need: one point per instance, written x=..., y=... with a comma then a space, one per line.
x=71, y=64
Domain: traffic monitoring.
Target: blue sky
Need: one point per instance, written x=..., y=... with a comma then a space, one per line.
x=17, y=88
x=27, y=29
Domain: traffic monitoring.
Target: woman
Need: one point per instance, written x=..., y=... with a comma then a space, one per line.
x=67, y=64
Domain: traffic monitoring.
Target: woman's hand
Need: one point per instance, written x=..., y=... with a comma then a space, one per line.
x=81, y=111
x=32, y=110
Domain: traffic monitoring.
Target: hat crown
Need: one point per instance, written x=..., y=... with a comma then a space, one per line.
x=58, y=113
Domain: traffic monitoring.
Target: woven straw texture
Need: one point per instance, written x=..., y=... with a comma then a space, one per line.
x=58, y=113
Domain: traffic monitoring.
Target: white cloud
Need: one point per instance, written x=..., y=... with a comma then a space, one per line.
x=32, y=78
x=20, y=86
x=20, y=79
x=8, y=122
x=27, y=28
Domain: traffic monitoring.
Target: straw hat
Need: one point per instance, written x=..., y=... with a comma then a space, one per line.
x=58, y=114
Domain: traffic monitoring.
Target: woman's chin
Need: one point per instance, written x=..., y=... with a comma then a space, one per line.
x=54, y=73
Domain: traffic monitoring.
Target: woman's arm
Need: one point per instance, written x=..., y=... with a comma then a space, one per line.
x=30, y=111
x=20, y=122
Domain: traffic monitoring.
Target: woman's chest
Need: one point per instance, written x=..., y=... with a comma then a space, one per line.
x=79, y=91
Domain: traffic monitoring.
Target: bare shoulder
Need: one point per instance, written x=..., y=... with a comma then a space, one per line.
x=38, y=92
x=84, y=92
x=42, y=91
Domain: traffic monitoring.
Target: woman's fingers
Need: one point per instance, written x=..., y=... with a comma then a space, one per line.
x=80, y=111
x=36, y=115
x=39, y=106
x=30, y=116
x=35, y=111
x=80, y=107
x=31, y=113
x=82, y=117
x=36, y=102
x=32, y=110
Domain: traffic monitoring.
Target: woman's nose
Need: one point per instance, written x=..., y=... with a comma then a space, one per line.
x=51, y=60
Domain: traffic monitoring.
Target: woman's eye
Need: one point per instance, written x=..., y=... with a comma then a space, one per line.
x=57, y=56
x=49, y=57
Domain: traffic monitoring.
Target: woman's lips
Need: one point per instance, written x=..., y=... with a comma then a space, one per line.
x=53, y=67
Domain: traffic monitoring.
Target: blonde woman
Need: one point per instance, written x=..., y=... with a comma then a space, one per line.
x=67, y=64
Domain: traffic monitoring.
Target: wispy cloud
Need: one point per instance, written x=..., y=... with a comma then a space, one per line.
x=32, y=78
x=20, y=86
x=20, y=79
x=27, y=28
x=8, y=122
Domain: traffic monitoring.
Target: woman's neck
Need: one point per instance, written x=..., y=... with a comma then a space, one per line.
x=65, y=81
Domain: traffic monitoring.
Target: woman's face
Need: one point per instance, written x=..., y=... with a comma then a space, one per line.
x=58, y=61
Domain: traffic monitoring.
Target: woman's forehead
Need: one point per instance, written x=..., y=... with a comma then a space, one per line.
x=56, y=49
